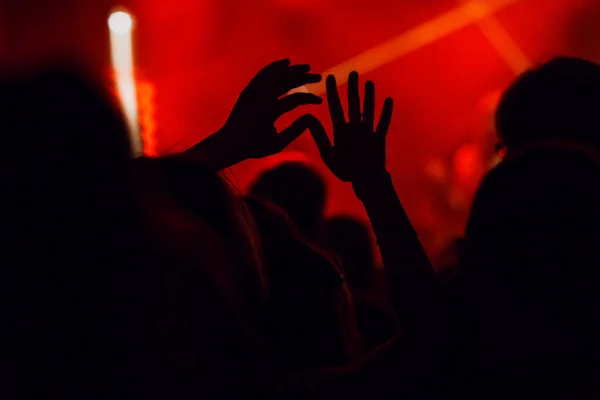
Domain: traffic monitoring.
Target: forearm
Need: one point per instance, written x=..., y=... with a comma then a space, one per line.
x=212, y=152
x=398, y=242
x=408, y=270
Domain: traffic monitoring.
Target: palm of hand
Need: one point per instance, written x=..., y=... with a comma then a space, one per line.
x=250, y=128
x=358, y=151
x=255, y=129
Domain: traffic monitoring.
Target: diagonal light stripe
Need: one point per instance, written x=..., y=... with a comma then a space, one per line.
x=414, y=39
x=504, y=44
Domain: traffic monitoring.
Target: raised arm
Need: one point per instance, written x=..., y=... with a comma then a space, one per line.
x=358, y=156
x=249, y=131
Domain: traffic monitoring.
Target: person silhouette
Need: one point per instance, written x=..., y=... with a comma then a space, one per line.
x=528, y=276
x=311, y=321
x=213, y=320
x=520, y=318
x=73, y=250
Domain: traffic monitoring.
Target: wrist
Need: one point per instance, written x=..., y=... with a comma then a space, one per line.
x=368, y=182
x=370, y=178
x=213, y=151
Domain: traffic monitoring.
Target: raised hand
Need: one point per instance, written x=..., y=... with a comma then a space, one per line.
x=358, y=156
x=250, y=129
x=358, y=149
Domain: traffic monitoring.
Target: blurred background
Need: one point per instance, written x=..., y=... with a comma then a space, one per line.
x=444, y=61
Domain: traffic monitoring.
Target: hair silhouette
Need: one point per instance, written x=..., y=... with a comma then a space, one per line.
x=298, y=190
x=557, y=100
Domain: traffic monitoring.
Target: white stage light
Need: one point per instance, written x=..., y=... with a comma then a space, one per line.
x=121, y=27
x=120, y=23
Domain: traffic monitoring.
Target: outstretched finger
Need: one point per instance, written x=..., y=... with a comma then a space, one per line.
x=291, y=133
x=369, y=106
x=353, y=98
x=295, y=80
x=386, y=117
x=335, y=105
x=292, y=101
x=299, y=69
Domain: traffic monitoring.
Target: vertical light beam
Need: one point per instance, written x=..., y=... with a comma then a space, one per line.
x=120, y=24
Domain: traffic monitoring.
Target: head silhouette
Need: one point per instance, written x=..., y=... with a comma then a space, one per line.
x=350, y=240
x=297, y=189
x=557, y=100
x=72, y=246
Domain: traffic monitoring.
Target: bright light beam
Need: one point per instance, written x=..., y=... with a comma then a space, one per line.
x=414, y=39
x=504, y=44
x=120, y=24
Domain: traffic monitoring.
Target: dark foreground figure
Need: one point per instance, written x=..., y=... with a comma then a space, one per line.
x=154, y=277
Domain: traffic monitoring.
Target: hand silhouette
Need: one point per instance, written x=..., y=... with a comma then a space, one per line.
x=358, y=150
x=249, y=131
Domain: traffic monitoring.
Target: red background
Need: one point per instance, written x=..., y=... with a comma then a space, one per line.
x=199, y=54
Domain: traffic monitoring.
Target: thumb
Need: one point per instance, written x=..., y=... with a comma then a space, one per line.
x=291, y=133
x=319, y=136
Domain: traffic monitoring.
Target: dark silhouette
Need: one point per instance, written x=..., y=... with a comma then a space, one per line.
x=520, y=319
x=297, y=189
x=558, y=100
x=132, y=281
x=154, y=277
x=528, y=290
x=249, y=131
x=211, y=321
x=311, y=322
x=214, y=320
x=358, y=155
x=448, y=261
x=351, y=241
x=73, y=326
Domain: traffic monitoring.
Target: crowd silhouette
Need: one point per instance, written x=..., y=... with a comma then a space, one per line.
x=157, y=277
